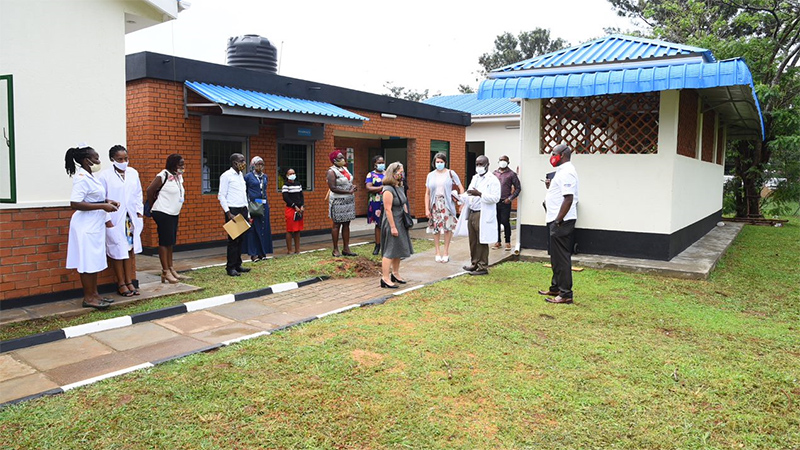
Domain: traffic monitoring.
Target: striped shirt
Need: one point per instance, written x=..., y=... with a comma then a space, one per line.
x=293, y=194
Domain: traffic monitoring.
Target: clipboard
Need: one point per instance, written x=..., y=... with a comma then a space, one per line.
x=236, y=227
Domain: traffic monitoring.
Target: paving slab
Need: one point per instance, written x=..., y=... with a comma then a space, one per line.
x=243, y=310
x=11, y=368
x=24, y=386
x=194, y=322
x=274, y=320
x=134, y=336
x=176, y=346
x=226, y=333
x=93, y=367
x=55, y=354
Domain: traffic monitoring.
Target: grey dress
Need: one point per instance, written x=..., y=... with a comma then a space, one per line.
x=395, y=246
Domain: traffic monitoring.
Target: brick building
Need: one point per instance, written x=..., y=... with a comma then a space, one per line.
x=196, y=109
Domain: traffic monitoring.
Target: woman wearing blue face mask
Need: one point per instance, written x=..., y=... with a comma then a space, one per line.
x=440, y=207
x=295, y=206
x=374, y=188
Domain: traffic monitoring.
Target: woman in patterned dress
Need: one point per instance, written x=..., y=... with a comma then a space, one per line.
x=341, y=203
x=374, y=188
x=440, y=207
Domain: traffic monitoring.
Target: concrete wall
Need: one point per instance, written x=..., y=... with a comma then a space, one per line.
x=67, y=59
x=659, y=193
x=499, y=139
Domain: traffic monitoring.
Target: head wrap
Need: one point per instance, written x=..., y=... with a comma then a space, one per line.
x=254, y=161
x=334, y=154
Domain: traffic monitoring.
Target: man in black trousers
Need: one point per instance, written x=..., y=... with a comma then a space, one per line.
x=233, y=199
x=560, y=202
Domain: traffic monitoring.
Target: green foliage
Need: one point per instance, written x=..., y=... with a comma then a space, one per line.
x=465, y=89
x=509, y=49
x=406, y=94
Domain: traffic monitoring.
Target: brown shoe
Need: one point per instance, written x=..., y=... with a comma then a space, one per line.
x=559, y=299
x=497, y=246
x=549, y=293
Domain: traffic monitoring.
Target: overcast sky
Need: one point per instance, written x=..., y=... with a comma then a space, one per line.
x=363, y=45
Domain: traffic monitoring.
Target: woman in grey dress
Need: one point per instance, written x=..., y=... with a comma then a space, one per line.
x=396, y=243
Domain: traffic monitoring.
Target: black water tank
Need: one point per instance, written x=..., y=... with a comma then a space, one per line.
x=252, y=52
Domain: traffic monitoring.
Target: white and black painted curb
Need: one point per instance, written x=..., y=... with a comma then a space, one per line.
x=212, y=301
x=124, y=321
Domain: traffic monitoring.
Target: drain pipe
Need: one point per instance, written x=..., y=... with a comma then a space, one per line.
x=519, y=162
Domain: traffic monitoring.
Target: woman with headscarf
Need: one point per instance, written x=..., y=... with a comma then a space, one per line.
x=341, y=202
x=259, y=240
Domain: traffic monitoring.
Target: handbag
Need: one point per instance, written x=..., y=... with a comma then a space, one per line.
x=408, y=221
x=298, y=216
x=255, y=209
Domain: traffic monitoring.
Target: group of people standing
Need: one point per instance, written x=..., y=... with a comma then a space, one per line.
x=109, y=217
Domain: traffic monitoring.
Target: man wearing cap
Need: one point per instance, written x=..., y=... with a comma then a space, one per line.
x=561, y=201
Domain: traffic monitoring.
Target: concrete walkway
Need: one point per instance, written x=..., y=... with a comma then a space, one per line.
x=88, y=356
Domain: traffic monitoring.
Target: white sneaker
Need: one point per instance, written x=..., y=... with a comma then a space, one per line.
x=438, y=258
x=446, y=258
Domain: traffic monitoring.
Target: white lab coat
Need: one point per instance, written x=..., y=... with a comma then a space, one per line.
x=85, y=249
x=489, y=187
x=129, y=195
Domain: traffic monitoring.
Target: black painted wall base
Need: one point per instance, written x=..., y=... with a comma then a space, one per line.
x=625, y=243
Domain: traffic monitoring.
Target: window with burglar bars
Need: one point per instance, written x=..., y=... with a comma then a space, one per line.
x=619, y=123
x=217, y=151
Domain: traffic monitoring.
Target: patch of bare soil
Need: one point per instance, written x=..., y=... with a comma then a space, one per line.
x=358, y=266
x=366, y=358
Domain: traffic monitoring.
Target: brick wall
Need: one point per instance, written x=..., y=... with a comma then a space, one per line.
x=33, y=253
x=157, y=127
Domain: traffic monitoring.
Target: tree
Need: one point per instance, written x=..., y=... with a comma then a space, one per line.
x=509, y=49
x=767, y=34
x=406, y=94
x=465, y=89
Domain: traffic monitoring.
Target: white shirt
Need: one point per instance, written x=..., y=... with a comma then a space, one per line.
x=565, y=182
x=170, y=196
x=481, y=183
x=232, y=190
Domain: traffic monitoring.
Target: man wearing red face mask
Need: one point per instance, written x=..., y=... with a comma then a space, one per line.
x=561, y=201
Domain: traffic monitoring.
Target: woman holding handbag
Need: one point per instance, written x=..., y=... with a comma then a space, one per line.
x=341, y=203
x=394, y=227
x=123, y=240
x=258, y=243
x=295, y=207
x=440, y=208
x=166, y=194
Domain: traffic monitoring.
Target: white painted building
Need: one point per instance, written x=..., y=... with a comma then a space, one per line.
x=62, y=82
x=648, y=121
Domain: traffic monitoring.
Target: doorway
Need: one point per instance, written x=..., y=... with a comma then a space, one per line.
x=474, y=149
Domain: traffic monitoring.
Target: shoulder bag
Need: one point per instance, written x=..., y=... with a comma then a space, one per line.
x=408, y=221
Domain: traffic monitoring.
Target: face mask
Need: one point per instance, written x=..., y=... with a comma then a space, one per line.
x=340, y=162
x=554, y=160
x=291, y=177
x=439, y=166
x=180, y=171
x=96, y=168
x=241, y=166
x=480, y=170
x=121, y=165
x=503, y=164
x=381, y=167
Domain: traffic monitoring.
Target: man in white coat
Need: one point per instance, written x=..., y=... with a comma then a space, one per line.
x=481, y=198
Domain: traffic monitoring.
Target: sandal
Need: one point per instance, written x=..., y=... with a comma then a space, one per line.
x=132, y=288
x=126, y=293
x=100, y=306
x=336, y=254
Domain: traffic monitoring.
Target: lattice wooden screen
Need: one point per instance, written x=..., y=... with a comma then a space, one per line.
x=720, y=144
x=619, y=123
x=709, y=126
x=687, y=124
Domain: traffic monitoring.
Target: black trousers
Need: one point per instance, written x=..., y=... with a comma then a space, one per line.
x=504, y=220
x=561, y=257
x=235, y=245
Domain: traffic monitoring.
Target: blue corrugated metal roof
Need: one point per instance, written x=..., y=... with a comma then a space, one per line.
x=230, y=96
x=610, y=49
x=470, y=103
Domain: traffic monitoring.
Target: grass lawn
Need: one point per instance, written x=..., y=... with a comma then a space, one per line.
x=639, y=362
x=214, y=282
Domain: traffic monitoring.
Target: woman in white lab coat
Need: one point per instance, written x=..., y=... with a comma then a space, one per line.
x=123, y=240
x=87, y=234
